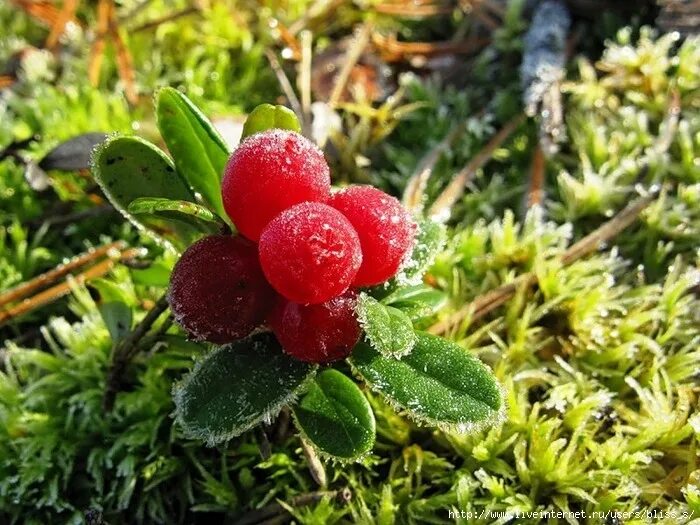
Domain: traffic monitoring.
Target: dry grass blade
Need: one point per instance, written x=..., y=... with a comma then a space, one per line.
x=47, y=278
x=98, y=47
x=153, y=24
x=394, y=51
x=351, y=57
x=286, y=86
x=41, y=10
x=125, y=64
x=491, y=300
x=415, y=188
x=304, y=78
x=535, y=191
x=414, y=9
x=318, y=10
x=455, y=189
x=56, y=292
x=318, y=472
x=66, y=15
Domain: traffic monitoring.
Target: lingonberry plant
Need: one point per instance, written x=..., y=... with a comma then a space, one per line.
x=334, y=275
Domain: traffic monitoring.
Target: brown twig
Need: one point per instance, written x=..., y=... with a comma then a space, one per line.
x=275, y=511
x=126, y=348
x=491, y=300
x=455, y=189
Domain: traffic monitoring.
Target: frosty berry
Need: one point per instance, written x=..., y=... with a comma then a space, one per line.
x=317, y=333
x=384, y=227
x=268, y=173
x=310, y=253
x=218, y=292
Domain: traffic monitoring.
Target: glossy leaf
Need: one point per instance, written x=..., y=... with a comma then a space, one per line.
x=199, y=152
x=439, y=383
x=127, y=168
x=335, y=416
x=155, y=205
x=237, y=386
x=267, y=116
x=388, y=329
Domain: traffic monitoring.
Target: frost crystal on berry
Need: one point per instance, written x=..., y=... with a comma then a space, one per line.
x=268, y=173
x=218, y=292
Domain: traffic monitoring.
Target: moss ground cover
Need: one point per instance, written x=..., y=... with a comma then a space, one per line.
x=599, y=362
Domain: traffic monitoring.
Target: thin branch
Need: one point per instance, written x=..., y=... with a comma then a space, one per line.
x=491, y=300
x=455, y=189
x=125, y=350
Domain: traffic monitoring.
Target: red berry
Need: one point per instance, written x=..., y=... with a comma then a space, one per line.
x=317, y=333
x=385, y=229
x=218, y=292
x=268, y=173
x=310, y=253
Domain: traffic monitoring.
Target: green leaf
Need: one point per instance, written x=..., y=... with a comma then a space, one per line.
x=236, y=386
x=157, y=274
x=267, y=116
x=416, y=301
x=199, y=152
x=156, y=204
x=117, y=317
x=430, y=240
x=438, y=383
x=388, y=329
x=127, y=168
x=335, y=416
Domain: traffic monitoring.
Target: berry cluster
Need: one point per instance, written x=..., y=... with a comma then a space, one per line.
x=314, y=248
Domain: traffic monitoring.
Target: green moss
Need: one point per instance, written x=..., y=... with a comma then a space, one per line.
x=599, y=363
